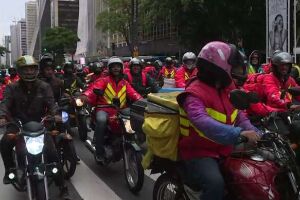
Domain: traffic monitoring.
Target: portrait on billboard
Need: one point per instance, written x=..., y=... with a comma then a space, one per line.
x=277, y=25
x=278, y=34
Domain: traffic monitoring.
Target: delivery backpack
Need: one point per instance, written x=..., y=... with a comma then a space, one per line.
x=254, y=83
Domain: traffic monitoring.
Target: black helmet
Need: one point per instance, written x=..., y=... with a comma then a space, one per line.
x=47, y=60
x=282, y=58
x=68, y=65
x=27, y=61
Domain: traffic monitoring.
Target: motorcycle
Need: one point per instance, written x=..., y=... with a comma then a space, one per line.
x=31, y=172
x=119, y=143
x=268, y=171
x=64, y=141
x=78, y=113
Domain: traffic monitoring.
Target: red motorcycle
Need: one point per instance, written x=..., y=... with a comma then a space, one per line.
x=268, y=171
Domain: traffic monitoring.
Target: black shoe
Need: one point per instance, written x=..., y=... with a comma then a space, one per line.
x=77, y=159
x=64, y=193
x=99, y=158
x=6, y=179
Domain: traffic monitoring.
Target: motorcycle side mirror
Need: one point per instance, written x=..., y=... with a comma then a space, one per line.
x=241, y=99
x=98, y=92
x=116, y=102
x=295, y=91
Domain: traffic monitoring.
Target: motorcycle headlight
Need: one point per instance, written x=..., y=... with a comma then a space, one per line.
x=128, y=126
x=64, y=116
x=34, y=145
x=79, y=102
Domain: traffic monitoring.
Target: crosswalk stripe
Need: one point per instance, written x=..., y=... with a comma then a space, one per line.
x=88, y=185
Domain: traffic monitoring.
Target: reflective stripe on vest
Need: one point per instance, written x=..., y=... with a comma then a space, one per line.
x=169, y=75
x=110, y=93
x=186, y=76
x=185, y=123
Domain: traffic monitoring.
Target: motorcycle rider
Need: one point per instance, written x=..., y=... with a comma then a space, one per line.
x=28, y=99
x=47, y=74
x=111, y=87
x=140, y=81
x=168, y=71
x=97, y=69
x=276, y=83
x=254, y=63
x=187, y=70
x=59, y=73
x=210, y=125
x=71, y=82
x=13, y=76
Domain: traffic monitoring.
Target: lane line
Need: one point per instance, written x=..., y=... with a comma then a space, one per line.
x=90, y=186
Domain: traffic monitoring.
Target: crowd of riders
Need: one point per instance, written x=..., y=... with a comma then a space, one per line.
x=33, y=89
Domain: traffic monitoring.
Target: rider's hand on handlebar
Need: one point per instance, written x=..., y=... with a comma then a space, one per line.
x=2, y=121
x=252, y=136
x=295, y=107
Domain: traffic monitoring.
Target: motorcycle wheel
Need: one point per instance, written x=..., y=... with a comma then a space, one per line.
x=69, y=160
x=82, y=128
x=135, y=174
x=168, y=188
x=40, y=192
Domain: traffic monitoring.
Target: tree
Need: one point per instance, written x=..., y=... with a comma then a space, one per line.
x=3, y=51
x=59, y=41
x=117, y=19
x=200, y=21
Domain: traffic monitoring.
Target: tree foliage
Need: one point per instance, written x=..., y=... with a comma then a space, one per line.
x=60, y=40
x=116, y=19
x=200, y=21
x=3, y=51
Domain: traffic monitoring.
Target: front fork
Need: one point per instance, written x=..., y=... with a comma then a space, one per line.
x=38, y=175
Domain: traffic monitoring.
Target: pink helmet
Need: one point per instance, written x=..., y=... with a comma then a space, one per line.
x=222, y=55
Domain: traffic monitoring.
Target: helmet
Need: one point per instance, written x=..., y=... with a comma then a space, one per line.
x=68, y=65
x=12, y=70
x=189, y=59
x=47, y=61
x=169, y=60
x=135, y=61
x=115, y=60
x=58, y=67
x=26, y=61
x=158, y=64
x=222, y=60
x=282, y=58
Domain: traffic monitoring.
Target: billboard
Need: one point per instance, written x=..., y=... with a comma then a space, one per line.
x=277, y=25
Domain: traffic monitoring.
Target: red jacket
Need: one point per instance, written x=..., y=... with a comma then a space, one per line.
x=144, y=78
x=111, y=89
x=9, y=80
x=2, y=88
x=273, y=87
x=183, y=74
x=168, y=72
x=267, y=68
x=195, y=144
x=150, y=70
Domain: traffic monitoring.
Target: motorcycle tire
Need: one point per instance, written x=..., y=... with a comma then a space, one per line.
x=69, y=160
x=134, y=176
x=82, y=128
x=40, y=192
x=167, y=187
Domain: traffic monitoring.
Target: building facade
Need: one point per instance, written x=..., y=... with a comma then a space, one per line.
x=31, y=9
x=7, y=45
x=22, y=37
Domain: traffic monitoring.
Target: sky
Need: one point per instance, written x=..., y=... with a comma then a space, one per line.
x=10, y=10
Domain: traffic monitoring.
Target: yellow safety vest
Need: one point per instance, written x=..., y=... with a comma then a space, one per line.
x=110, y=93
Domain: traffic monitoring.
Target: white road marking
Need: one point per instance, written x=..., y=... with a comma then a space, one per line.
x=90, y=186
x=154, y=177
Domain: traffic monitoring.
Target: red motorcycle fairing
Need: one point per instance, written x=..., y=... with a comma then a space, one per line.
x=251, y=180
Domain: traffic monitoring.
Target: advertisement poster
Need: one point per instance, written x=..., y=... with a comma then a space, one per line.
x=277, y=25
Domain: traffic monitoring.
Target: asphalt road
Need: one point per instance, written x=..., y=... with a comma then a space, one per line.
x=90, y=182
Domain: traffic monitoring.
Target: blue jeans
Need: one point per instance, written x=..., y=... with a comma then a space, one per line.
x=100, y=130
x=204, y=174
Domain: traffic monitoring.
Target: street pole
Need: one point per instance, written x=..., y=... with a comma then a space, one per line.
x=134, y=27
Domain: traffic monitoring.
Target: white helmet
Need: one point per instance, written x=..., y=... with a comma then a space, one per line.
x=113, y=60
x=189, y=59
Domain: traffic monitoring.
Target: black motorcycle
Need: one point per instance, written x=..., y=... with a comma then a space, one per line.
x=122, y=145
x=31, y=171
